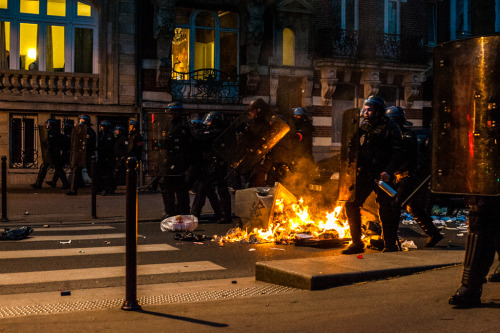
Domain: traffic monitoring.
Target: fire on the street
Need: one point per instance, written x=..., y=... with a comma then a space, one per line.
x=290, y=223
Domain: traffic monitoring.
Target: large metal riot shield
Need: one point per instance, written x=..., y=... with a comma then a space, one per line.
x=247, y=140
x=348, y=155
x=466, y=117
x=44, y=144
x=78, y=153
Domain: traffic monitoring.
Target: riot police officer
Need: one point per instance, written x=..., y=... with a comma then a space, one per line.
x=134, y=148
x=105, y=158
x=213, y=171
x=174, y=162
x=51, y=154
x=120, y=156
x=378, y=157
x=406, y=178
x=65, y=152
x=81, y=153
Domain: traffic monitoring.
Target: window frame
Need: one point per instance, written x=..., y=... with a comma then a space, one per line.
x=434, y=14
x=191, y=26
x=398, y=16
x=70, y=22
x=24, y=164
x=453, y=19
x=343, y=15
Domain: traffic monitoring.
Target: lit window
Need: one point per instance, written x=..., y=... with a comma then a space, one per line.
x=4, y=45
x=288, y=47
x=83, y=10
x=205, y=40
x=56, y=7
x=3, y=4
x=30, y=6
x=61, y=37
x=55, y=49
x=28, y=50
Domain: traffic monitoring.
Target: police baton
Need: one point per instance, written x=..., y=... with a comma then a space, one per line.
x=416, y=190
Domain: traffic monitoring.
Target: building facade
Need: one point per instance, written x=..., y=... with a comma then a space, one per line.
x=125, y=59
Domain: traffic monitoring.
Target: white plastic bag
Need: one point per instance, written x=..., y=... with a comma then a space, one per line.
x=179, y=222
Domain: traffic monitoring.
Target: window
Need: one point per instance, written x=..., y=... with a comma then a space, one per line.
x=205, y=40
x=392, y=23
x=349, y=15
x=288, y=47
x=497, y=15
x=24, y=141
x=460, y=19
x=48, y=35
x=431, y=11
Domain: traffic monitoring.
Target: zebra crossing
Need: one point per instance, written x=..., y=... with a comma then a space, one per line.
x=79, y=233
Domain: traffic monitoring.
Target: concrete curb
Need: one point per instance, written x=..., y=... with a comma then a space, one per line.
x=327, y=272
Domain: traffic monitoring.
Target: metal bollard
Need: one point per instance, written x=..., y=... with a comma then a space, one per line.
x=93, y=187
x=131, y=302
x=4, y=189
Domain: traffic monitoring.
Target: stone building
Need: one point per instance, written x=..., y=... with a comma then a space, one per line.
x=60, y=59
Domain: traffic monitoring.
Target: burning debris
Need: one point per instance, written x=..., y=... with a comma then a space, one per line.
x=292, y=223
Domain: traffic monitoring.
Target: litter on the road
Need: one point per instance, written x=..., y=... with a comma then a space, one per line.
x=191, y=237
x=275, y=248
x=251, y=250
x=68, y=242
x=16, y=234
x=65, y=293
x=408, y=245
x=179, y=223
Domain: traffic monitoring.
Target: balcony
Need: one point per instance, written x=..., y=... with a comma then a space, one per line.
x=365, y=45
x=208, y=85
x=16, y=85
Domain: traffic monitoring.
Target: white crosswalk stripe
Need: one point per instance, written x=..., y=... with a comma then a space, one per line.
x=81, y=251
x=104, y=272
x=67, y=234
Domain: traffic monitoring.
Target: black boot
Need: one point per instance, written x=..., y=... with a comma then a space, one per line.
x=425, y=222
x=466, y=297
x=355, y=248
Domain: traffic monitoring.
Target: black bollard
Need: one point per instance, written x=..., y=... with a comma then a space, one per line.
x=4, y=189
x=93, y=187
x=131, y=302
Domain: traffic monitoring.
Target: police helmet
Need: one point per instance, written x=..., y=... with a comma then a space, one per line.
x=175, y=107
x=299, y=112
x=105, y=123
x=397, y=114
x=259, y=104
x=212, y=118
x=120, y=129
x=50, y=122
x=85, y=118
x=377, y=103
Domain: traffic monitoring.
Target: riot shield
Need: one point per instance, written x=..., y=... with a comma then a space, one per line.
x=44, y=144
x=466, y=118
x=348, y=155
x=78, y=153
x=247, y=140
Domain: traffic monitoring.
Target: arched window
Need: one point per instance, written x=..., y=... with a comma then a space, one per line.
x=49, y=35
x=288, y=47
x=205, y=39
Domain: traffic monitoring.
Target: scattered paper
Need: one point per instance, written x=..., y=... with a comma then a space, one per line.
x=68, y=242
x=275, y=248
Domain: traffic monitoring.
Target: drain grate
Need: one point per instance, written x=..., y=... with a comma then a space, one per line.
x=27, y=310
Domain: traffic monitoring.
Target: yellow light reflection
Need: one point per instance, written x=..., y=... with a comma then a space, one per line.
x=30, y=6
x=28, y=40
x=56, y=7
x=32, y=53
x=3, y=4
x=83, y=9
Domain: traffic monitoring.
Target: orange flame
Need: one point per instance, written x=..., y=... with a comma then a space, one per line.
x=290, y=222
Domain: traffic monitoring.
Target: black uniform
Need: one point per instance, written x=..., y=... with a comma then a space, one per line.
x=175, y=165
x=406, y=182
x=54, y=146
x=105, y=161
x=213, y=170
x=303, y=167
x=134, y=147
x=379, y=151
x=120, y=157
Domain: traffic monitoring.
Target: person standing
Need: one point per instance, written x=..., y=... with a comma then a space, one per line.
x=134, y=147
x=105, y=158
x=51, y=154
x=406, y=178
x=174, y=162
x=83, y=146
x=213, y=169
x=120, y=156
x=379, y=154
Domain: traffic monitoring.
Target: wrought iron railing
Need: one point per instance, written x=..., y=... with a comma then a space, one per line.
x=206, y=86
x=372, y=45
